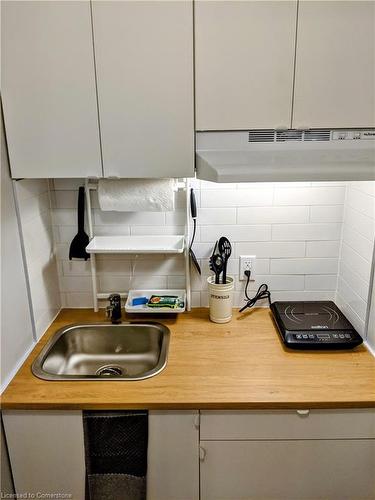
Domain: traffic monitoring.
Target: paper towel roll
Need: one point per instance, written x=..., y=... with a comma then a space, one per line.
x=136, y=195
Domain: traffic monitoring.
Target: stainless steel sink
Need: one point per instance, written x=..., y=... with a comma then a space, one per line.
x=102, y=351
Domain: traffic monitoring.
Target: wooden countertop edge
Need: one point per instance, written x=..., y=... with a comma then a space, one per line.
x=259, y=405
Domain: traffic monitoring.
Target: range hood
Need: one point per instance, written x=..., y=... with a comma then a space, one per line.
x=286, y=155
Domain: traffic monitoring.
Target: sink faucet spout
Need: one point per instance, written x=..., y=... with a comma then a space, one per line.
x=114, y=308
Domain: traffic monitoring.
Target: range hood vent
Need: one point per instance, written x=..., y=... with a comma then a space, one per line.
x=286, y=155
x=268, y=135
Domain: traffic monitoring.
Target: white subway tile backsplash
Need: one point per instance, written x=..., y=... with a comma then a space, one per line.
x=310, y=196
x=356, y=303
x=356, y=257
x=176, y=218
x=275, y=282
x=35, y=216
x=362, y=202
x=359, y=243
x=217, y=216
x=177, y=282
x=303, y=232
x=322, y=248
x=31, y=188
x=169, y=266
x=34, y=207
x=156, y=230
x=304, y=266
x=362, y=223
x=326, y=213
x=109, y=283
x=111, y=230
x=217, y=185
x=148, y=282
x=321, y=282
x=271, y=249
x=64, y=217
x=195, y=299
x=75, y=283
x=358, y=323
x=357, y=283
x=294, y=229
x=237, y=197
x=304, y=295
x=65, y=199
x=357, y=263
x=272, y=215
x=236, y=233
x=78, y=299
x=75, y=268
x=128, y=218
x=67, y=184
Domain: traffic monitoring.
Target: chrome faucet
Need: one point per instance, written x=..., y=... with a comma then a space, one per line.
x=114, y=308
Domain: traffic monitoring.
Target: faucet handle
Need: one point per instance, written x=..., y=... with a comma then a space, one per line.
x=114, y=299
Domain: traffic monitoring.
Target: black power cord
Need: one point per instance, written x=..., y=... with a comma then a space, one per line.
x=262, y=293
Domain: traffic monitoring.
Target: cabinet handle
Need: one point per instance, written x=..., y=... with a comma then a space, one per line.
x=202, y=454
x=303, y=413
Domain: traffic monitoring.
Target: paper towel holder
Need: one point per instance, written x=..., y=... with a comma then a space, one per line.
x=91, y=185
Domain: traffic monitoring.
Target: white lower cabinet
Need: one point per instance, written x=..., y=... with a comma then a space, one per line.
x=288, y=455
x=173, y=455
x=46, y=451
x=224, y=455
x=288, y=470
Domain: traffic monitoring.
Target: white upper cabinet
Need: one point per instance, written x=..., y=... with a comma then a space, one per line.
x=335, y=75
x=48, y=89
x=244, y=54
x=144, y=58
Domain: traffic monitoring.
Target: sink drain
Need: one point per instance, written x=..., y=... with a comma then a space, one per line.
x=109, y=371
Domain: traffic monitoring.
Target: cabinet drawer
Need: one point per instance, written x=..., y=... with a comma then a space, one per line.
x=288, y=470
x=288, y=424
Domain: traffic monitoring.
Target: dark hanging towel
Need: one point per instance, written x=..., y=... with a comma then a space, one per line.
x=116, y=454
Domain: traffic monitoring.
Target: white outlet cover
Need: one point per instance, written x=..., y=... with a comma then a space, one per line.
x=247, y=262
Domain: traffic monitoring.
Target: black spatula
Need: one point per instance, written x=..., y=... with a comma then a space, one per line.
x=80, y=241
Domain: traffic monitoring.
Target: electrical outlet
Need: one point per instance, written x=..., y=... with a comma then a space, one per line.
x=247, y=263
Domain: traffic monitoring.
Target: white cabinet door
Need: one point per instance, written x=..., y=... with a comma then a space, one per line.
x=46, y=452
x=144, y=58
x=335, y=64
x=244, y=57
x=173, y=456
x=288, y=470
x=48, y=89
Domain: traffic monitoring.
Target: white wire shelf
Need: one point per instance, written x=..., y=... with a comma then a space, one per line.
x=137, y=244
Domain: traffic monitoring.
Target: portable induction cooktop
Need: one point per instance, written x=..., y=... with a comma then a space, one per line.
x=314, y=325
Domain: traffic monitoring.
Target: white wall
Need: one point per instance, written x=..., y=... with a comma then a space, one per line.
x=35, y=215
x=16, y=322
x=357, y=253
x=293, y=228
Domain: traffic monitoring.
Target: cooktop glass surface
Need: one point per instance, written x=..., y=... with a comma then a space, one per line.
x=315, y=315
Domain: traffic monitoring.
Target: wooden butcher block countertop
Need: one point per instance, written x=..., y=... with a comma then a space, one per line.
x=238, y=365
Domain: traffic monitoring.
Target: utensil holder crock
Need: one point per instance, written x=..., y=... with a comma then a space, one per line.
x=220, y=299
